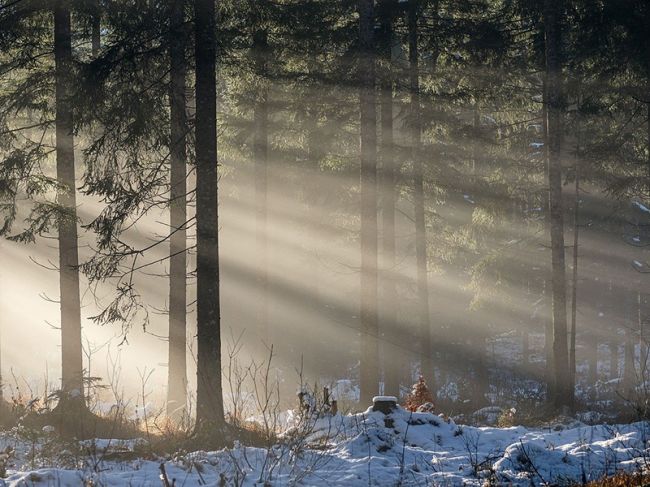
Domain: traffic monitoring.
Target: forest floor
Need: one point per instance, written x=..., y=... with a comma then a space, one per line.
x=370, y=448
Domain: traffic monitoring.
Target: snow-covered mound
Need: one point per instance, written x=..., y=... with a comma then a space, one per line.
x=370, y=448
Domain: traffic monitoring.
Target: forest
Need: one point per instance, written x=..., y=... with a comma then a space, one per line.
x=317, y=242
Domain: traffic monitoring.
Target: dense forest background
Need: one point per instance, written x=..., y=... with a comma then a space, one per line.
x=452, y=189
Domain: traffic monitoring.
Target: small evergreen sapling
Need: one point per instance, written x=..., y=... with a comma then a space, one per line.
x=420, y=398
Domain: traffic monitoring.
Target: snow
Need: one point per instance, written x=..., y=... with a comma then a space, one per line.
x=384, y=399
x=363, y=449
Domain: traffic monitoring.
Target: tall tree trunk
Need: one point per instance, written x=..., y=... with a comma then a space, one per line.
x=574, y=280
x=546, y=286
x=177, y=367
x=418, y=196
x=260, y=155
x=95, y=29
x=562, y=394
x=389, y=325
x=71, y=348
x=209, y=397
x=369, y=367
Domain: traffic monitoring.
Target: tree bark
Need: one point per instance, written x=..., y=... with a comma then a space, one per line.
x=418, y=196
x=562, y=394
x=177, y=367
x=71, y=348
x=209, y=397
x=369, y=366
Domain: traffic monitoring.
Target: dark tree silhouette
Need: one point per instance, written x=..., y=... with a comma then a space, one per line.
x=209, y=398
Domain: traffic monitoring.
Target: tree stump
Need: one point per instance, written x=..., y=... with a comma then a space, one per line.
x=384, y=404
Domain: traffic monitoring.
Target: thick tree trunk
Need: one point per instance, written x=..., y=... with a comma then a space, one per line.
x=391, y=357
x=177, y=367
x=209, y=397
x=369, y=367
x=71, y=349
x=562, y=394
x=418, y=196
x=260, y=155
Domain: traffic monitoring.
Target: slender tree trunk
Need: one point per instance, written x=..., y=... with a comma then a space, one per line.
x=562, y=395
x=643, y=349
x=525, y=332
x=418, y=196
x=648, y=142
x=525, y=347
x=614, y=358
x=546, y=287
x=71, y=348
x=369, y=367
x=629, y=370
x=95, y=28
x=614, y=344
x=574, y=281
x=177, y=367
x=592, y=357
x=391, y=355
x=209, y=397
x=260, y=155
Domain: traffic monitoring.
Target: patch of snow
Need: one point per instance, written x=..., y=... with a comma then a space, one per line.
x=371, y=448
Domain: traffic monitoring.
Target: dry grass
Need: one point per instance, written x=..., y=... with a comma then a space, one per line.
x=623, y=480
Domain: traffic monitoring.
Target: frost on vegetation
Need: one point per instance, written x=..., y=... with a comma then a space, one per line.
x=327, y=448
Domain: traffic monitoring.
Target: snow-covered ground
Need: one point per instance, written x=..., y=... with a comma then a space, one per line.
x=364, y=449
